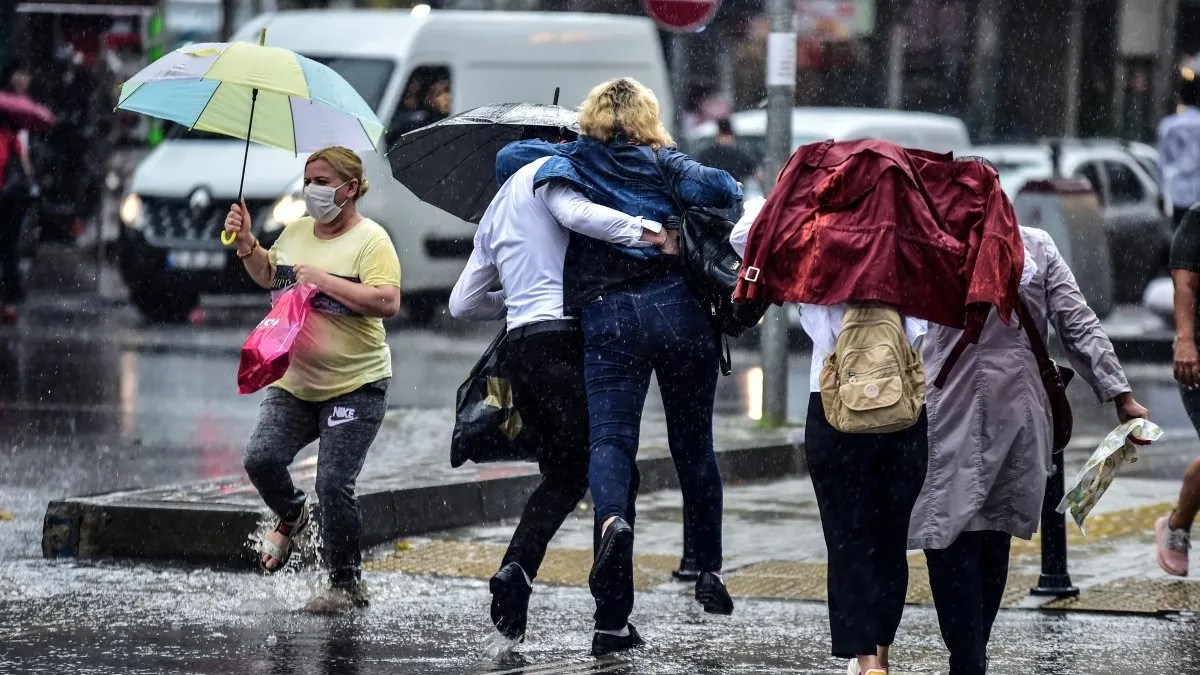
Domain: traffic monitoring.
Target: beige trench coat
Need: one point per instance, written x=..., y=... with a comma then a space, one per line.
x=989, y=428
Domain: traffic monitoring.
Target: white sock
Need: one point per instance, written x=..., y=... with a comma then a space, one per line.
x=624, y=632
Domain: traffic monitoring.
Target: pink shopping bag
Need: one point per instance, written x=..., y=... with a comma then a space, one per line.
x=267, y=351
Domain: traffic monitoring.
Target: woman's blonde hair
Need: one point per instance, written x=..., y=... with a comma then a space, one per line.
x=624, y=107
x=346, y=163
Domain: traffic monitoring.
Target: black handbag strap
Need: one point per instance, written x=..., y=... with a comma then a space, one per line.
x=482, y=362
x=1036, y=343
x=722, y=339
x=670, y=188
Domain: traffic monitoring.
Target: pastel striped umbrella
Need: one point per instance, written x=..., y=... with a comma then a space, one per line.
x=268, y=95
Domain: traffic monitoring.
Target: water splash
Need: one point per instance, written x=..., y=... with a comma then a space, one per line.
x=499, y=648
x=306, y=547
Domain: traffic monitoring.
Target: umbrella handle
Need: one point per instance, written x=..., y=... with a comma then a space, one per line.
x=245, y=158
x=228, y=240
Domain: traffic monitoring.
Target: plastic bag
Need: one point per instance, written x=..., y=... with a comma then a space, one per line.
x=267, y=352
x=1093, y=479
x=487, y=425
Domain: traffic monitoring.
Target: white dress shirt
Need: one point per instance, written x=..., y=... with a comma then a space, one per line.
x=521, y=244
x=822, y=323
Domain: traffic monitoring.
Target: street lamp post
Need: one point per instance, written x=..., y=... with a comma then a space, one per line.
x=781, y=92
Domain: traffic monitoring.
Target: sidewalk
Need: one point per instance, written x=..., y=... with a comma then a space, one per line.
x=774, y=549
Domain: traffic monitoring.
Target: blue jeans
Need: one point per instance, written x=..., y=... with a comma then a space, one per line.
x=656, y=327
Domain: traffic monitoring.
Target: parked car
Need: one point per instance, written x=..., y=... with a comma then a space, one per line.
x=180, y=192
x=1130, y=200
x=927, y=131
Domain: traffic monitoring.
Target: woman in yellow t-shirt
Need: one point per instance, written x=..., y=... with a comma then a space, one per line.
x=335, y=389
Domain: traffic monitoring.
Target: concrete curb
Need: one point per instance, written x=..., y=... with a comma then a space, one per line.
x=120, y=526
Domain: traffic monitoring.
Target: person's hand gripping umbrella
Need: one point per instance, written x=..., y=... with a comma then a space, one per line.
x=268, y=95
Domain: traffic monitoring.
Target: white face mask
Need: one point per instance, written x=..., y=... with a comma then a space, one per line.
x=319, y=201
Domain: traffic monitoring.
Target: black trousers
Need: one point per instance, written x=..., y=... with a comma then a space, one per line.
x=866, y=486
x=546, y=373
x=12, y=214
x=968, y=581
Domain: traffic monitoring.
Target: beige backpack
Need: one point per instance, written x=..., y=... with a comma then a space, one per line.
x=873, y=382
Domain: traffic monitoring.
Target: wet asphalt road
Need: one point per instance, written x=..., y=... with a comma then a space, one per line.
x=117, y=619
x=91, y=400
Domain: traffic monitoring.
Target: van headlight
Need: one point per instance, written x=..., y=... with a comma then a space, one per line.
x=132, y=213
x=288, y=209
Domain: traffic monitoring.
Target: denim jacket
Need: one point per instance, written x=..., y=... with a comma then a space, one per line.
x=624, y=177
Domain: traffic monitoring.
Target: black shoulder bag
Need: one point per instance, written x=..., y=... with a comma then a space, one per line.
x=487, y=425
x=1055, y=379
x=711, y=267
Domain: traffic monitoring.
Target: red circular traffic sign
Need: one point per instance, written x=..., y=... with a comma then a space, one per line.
x=682, y=15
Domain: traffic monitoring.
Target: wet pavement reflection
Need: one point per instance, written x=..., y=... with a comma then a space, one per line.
x=93, y=401
x=62, y=617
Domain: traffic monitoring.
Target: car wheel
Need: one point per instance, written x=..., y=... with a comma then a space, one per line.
x=168, y=305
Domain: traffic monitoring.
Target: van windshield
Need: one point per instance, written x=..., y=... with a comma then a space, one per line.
x=369, y=77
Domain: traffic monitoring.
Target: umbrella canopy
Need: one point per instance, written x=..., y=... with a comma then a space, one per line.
x=451, y=164
x=25, y=113
x=263, y=94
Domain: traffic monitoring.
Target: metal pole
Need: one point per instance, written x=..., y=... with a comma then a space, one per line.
x=1074, y=67
x=679, y=80
x=228, y=23
x=984, y=73
x=1163, y=85
x=781, y=94
x=895, y=83
x=8, y=17
x=1055, y=580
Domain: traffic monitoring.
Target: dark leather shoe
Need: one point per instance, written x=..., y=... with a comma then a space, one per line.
x=614, y=557
x=510, y=601
x=603, y=643
x=712, y=594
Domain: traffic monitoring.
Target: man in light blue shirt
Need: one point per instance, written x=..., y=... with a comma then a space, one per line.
x=1179, y=148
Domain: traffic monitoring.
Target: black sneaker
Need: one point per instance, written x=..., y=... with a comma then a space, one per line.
x=510, y=601
x=614, y=557
x=687, y=570
x=712, y=594
x=603, y=643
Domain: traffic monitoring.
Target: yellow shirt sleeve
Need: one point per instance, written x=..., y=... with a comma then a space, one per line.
x=379, y=265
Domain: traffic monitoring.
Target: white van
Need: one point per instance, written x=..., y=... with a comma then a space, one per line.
x=178, y=196
x=926, y=131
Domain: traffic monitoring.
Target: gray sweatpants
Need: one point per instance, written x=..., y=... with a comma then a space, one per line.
x=346, y=426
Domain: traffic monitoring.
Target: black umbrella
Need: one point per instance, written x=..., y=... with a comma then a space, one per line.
x=452, y=163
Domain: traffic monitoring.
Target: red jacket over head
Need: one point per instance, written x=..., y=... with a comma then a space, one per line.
x=871, y=221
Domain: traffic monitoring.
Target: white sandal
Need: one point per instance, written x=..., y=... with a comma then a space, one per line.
x=292, y=531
